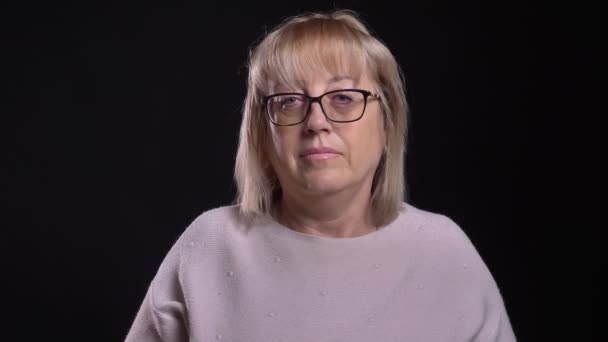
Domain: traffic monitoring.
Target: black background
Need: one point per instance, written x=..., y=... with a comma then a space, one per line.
x=121, y=127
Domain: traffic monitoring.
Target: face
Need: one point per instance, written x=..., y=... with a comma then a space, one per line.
x=357, y=145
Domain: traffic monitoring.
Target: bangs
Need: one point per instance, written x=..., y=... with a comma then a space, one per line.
x=307, y=48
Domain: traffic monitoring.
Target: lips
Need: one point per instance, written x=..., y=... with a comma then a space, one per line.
x=319, y=150
x=319, y=154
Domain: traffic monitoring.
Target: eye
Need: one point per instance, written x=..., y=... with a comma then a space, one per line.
x=342, y=99
x=291, y=101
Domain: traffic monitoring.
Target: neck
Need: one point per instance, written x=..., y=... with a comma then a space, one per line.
x=341, y=215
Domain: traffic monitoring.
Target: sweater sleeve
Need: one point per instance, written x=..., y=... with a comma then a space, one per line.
x=162, y=314
x=495, y=323
x=496, y=326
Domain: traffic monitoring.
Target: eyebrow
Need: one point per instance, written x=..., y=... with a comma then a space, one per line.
x=334, y=79
x=339, y=78
x=302, y=83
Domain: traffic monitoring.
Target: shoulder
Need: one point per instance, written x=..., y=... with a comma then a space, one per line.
x=448, y=258
x=222, y=214
x=435, y=226
x=447, y=246
x=425, y=218
x=212, y=222
x=438, y=225
x=209, y=229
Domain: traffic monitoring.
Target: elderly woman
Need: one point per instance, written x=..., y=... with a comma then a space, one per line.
x=320, y=245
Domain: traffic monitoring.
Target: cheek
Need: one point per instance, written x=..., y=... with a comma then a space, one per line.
x=374, y=145
x=281, y=143
x=275, y=141
x=369, y=139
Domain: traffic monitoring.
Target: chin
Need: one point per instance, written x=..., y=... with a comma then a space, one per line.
x=325, y=183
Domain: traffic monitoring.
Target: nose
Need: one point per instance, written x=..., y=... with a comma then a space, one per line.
x=316, y=120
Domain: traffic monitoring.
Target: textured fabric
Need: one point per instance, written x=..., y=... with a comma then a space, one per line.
x=416, y=279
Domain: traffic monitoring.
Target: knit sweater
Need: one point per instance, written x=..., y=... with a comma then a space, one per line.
x=418, y=278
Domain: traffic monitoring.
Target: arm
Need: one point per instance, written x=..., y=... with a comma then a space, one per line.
x=494, y=323
x=496, y=326
x=162, y=314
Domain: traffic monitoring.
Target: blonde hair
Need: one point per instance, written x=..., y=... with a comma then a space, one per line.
x=338, y=41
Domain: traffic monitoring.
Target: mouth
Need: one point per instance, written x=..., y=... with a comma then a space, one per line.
x=320, y=156
x=320, y=153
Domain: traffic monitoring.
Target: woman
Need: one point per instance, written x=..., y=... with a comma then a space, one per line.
x=320, y=245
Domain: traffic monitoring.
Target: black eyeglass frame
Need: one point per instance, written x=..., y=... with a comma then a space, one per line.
x=317, y=99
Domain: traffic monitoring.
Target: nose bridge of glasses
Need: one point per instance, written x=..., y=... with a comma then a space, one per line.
x=313, y=100
x=315, y=119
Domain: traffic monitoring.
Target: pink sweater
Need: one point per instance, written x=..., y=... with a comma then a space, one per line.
x=417, y=279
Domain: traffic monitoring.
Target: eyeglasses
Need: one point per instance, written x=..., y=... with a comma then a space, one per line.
x=290, y=109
